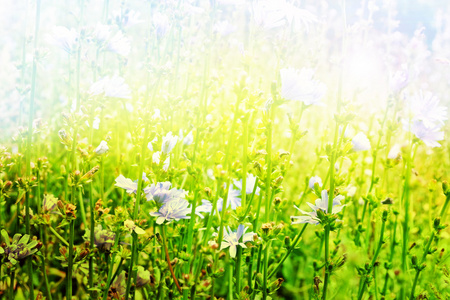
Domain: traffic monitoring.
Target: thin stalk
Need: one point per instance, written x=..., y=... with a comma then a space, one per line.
x=168, y=259
x=238, y=269
x=374, y=259
x=427, y=248
x=111, y=267
x=288, y=251
x=58, y=236
x=405, y=202
x=70, y=258
x=11, y=284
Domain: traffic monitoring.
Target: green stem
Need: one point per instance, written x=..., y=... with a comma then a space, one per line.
x=111, y=267
x=11, y=284
x=58, y=235
x=70, y=258
x=289, y=251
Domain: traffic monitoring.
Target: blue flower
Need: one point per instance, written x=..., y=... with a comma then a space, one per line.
x=250, y=184
x=175, y=209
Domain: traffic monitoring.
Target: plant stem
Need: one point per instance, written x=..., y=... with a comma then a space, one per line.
x=288, y=251
x=427, y=247
x=58, y=235
x=111, y=267
x=168, y=259
x=70, y=258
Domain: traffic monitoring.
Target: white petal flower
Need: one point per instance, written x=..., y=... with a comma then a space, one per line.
x=429, y=135
x=157, y=158
x=119, y=44
x=175, y=209
x=114, y=87
x=232, y=239
x=299, y=85
x=426, y=107
x=102, y=148
x=313, y=180
x=64, y=38
x=320, y=204
x=168, y=143
x=126, y=184
x=395, y=151
x=360, y=142
x=250, y=184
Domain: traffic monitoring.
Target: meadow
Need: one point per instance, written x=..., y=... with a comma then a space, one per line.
x=224, y=149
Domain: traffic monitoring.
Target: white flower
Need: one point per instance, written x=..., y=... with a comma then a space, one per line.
x=150, y=144
x=175, y=209
x=161, y=23
x=313, y=180
x=224, y=28
x=320, y=204
x=425, y=107
x=250, y=184
x=233, y=199
x=126, y=18
x=119, y=44
x=270, y=14
x=64, y=38
x=205, y=207
x=232, y=239
x=126, y=184
x=360, y=142
x=299, y=85
x=156, y=157
x=398, y=81
x=188, y=139
x=168, y=143
x=130, y=226
x=102, y=148
x=429, y=135
x=395, y=151
x=114, y=87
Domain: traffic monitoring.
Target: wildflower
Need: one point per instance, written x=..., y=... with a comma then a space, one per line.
x=119, y=44
x=175, y=209
x=162, y=193
x=250, y=184
x=156, y=158
x=118, y=287
x=103, y=238
x=313, y=180
x=360, y=142
x=224, y=28
x=130, y=226
x=426, y=107
x=398, y=81
x=232, y=239
x=102, y=148
x=49, y=203
x=127, y=184
x=161, y=24
x=114, y=87
x=272, y=14
x=126, y=18
x=19, y=248
x=206, y=207
x=395, y=152
x=95, y=123
x=64, y=38
x=150, y=144
x=429, y=135
x=143, y=276
x=233, y=199
x=299, y=85
x=188, y=139
x=168, y=143
x=320, y=204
